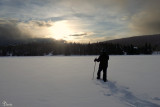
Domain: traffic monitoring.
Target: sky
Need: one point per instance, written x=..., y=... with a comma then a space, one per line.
x=78, y=20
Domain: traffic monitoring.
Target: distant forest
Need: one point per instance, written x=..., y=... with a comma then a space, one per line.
x=40, y=47
x=54, y=47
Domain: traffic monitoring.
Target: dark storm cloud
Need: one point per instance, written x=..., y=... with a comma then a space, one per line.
x=12, y=30
x=10, y=33
x=9, y=30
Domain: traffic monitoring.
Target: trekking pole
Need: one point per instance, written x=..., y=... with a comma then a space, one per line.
x=94, y=70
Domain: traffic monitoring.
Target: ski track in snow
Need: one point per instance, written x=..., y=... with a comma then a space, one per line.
x=124, y=95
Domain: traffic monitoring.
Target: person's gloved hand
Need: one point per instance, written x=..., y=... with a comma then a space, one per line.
x=95, y=59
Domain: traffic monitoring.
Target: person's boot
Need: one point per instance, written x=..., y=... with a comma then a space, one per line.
x=105, y=80
x=98, y=75
x=98, y=78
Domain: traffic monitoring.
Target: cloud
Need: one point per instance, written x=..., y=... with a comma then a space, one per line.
x=15, y=30
x=9, y=30
x=41, y=23
x=82, y=34
x=105, y=18
x=147, y=21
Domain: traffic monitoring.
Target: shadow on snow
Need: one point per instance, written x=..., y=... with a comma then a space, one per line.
x=124, y=95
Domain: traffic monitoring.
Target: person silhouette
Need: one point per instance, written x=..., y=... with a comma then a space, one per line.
x=103, y=65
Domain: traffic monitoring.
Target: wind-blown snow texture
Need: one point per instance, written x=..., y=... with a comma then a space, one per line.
x=61, y=81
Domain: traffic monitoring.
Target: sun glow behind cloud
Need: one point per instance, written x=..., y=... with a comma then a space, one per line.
x=61, y=30
x=67, y=30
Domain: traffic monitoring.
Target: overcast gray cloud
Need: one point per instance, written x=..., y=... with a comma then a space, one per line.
x=147, y=21
x=104, y=18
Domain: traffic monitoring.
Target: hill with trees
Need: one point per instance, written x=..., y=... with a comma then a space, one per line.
x=40, y=47
x=153, y=40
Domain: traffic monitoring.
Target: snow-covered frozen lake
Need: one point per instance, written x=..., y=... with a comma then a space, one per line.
x=66, y=81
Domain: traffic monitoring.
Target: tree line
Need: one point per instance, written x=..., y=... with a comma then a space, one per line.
x=62, y=48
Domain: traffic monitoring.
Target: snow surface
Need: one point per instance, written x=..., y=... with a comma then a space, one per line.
x=66, y=81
